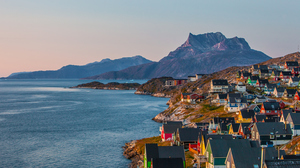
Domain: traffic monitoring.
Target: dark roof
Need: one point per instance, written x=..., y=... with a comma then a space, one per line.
x=263, y=81
x=296, y=118
x=220, y=147
x=206, y=137
x=292, y=63
x=223, y=120
x=271, y=105
x=230, y=95
x=155, y=151
x=238, y=100
x=219, y=82
x=252, y=156
x=272, y=86
x=297, y=69
x=286, y=112
x=263, y=66
x=247, y=113
x=245, y=127
x=167, y=163
x=246, y=74
x=223, y=127
x=266, y=128
x=171, y=128
x=291, y=91
x=276, y=72
x=260, y=117
x=185, y=94
x=171, y=152
x=255, y=66
x=264, y=71
x=188, y=134
x=295, y=79
x=286, y=73
x=280, y=89
x=192, y=76
x=151, y=151
x=222, y=96
x=283, y=163
x=254, y=77
x=235, y=127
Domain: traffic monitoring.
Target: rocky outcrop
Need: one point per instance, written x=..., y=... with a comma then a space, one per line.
x=130, y=152
x=109, y=86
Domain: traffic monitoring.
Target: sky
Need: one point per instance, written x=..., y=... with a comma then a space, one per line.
x=48, y=34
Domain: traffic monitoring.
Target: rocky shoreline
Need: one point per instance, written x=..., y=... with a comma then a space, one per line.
x=153, y=94
x=109, y=86
x=130, y=152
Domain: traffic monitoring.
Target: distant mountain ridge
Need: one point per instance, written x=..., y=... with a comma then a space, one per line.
x=76, y=71
x=203, y=53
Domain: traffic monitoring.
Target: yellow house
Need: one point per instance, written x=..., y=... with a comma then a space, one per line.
x=201, y=146
x=245, y=116
x=234, y=129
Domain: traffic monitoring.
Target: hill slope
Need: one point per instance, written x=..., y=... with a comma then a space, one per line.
x=75, y=71
x=204, y=53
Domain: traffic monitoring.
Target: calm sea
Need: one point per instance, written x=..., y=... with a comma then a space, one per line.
x=43, y=123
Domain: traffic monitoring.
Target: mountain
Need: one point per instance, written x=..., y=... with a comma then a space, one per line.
x=203, y=53
x=76, y=71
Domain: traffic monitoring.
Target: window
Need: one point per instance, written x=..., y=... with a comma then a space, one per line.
x=277, y=136
x=284, y=136
x=271, y=136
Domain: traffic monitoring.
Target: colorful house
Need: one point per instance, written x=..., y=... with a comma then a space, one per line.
x=219, y=86
x=250, y=157
x=186, y=136
x=202, y=144
x=293, y=119
x=285, y=75
x=293, y=81
x=269, y=88
x=235, y=104
x=153, y=151
x=169, y=129
x=252, y=80
x=245, y=115
x=190, y=97
x=296, y=71
x=245, y=130
x=271, y=132
x=270, y=108
x=278, y=92
x=245, y=75
x=261, y=83
x=289, y=65
x=289, y=93
x=217, y=150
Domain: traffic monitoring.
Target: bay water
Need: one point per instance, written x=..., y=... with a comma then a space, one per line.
x=44, y=123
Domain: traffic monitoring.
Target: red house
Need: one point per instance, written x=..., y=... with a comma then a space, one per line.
x=270, y=108
x=190, y=97
x=245, y=130
x=296, y=97
x=262, y=82
x=169, y=129
x=285, y=75
x=296, y=71
x=291, y=64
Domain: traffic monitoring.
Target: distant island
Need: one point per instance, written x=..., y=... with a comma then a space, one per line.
x=109, y=86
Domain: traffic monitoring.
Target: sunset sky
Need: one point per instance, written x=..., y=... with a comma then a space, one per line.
x=49, y=34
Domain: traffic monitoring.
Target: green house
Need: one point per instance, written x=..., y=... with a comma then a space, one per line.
x=217, y=150
x=153, y=151
x=252, y=80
